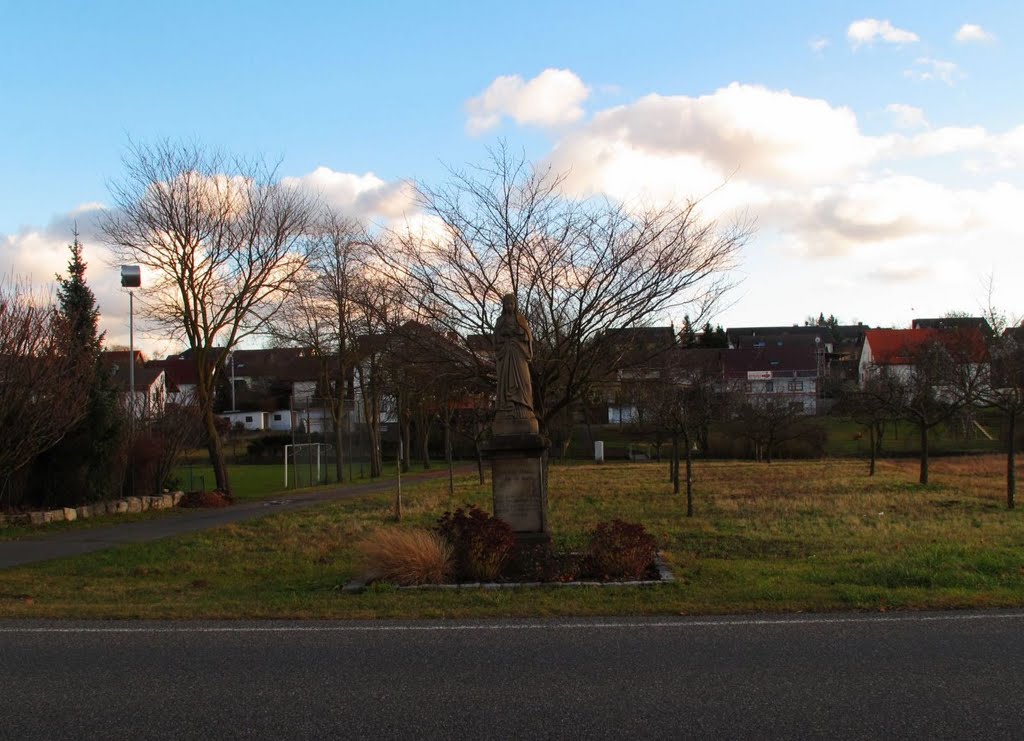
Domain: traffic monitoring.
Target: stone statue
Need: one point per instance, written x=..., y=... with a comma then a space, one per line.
x=513, y=347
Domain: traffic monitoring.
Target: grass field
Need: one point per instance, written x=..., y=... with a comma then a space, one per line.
x=790, y=536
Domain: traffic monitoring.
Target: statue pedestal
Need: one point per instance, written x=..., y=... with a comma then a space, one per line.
x=519, y=483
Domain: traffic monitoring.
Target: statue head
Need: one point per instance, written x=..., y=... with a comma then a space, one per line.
x=509, y=304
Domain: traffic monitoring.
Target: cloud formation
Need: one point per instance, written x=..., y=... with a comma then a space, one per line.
x=926, y=69
x=907, y=116
x=869, y=30
x=552, y=98
x=973, y=33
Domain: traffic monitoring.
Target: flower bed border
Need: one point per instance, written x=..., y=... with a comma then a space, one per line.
x=665, y=576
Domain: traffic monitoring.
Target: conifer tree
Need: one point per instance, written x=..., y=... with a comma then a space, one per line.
x=85, y=465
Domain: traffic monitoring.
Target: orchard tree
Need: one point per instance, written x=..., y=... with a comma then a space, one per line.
x=219, y=239
x=1005, y=392
x=580, y=269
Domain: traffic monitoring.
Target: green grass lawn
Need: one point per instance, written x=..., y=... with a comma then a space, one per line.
x=790, y=536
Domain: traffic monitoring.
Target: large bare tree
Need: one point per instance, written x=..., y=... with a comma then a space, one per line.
x=581, y=269
x=218, y=237
x=323, y=311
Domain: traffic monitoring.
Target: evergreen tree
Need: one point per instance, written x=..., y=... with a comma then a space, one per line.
x=86, y=464
x=688, y=337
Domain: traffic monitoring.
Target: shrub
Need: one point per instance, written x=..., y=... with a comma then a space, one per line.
x=621, y=550
x=405, y=557
x=482, y=544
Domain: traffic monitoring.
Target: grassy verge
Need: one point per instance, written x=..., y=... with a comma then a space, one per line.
x=795, y=536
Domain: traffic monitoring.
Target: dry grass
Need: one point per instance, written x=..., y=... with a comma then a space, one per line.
x=405, y=557
x=790, y=536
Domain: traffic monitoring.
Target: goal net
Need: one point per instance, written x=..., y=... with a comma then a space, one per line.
x=307, y=464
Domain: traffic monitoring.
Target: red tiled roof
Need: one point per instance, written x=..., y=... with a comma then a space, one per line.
x=897, y=346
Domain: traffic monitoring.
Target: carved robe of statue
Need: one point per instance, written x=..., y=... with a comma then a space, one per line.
x=513, y=346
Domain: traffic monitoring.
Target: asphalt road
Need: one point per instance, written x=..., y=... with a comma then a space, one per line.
x=75, y=542
x=907, y=676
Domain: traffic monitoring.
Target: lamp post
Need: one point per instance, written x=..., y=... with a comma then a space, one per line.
x=231, y=357
x=131, y=277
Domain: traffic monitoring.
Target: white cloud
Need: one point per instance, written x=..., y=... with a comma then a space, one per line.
x=971, y=33
x=907, y=116
x=818, y=43
x=927, y=69
x=870, y=30
x=364, y=196
x=552, y=98
x=746, y=131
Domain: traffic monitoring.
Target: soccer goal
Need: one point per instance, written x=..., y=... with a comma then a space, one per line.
x=305, y=464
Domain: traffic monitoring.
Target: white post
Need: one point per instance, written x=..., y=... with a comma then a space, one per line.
x=286, y=466
x=319, y=475
x=598, y=451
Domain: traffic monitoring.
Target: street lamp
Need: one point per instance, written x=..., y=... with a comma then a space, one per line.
x=131, y=277
x=231, y=357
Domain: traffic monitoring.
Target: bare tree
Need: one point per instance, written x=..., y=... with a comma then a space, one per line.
x=683, y=402
x=43, y=386
x=580, y=269
x=217, y=237
x=1005, y=392
x=323, y=309
x=872, y=406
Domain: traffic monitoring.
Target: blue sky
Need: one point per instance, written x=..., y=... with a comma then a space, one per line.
x=881, y=154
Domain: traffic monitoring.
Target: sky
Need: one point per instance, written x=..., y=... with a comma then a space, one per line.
x=879, y=147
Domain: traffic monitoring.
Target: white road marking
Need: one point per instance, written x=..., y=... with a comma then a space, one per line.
x=681, y=623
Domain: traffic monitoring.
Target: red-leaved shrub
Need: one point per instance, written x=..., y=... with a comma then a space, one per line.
x=481, y=543
x=621, y=550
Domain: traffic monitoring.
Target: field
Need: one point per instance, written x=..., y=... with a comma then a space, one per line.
x=790, y=536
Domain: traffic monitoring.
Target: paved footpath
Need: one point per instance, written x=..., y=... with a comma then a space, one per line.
x=179, y=521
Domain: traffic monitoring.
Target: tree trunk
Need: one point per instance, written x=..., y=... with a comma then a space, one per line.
x=689, y=474
x=923, y=478
x=871, y=438
x=213, y=443
x=339, y=444
x=1011, y=463
x=406, y=444
x=675, y=463
x=480, y=461
x=448, y=451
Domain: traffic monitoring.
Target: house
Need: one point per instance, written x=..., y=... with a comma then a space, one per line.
x=895, y=349
x=251, y=421
x=150, y=384
x=782, y=373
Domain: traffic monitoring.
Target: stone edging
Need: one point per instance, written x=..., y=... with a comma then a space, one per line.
x=665, y=576
x=111, y=507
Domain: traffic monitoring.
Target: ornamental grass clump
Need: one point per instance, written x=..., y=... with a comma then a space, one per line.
x=482, y=544
x=621, y=550
x=405, y=557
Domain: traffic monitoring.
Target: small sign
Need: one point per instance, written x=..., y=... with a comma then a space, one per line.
x=759, y=375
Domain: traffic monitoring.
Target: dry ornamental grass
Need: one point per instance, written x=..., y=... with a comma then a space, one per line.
x=405, y=557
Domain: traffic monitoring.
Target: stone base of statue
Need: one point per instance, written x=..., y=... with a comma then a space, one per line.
x=519, y=482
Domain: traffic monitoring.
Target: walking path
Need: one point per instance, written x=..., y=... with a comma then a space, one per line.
x=75, y=542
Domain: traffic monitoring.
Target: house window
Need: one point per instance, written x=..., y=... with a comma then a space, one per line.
x=796, y=385
x=769, y=387
x=248, y=419
x=748, y=387
x=277, y=417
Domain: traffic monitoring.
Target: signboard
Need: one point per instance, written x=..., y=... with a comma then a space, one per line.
x=759, y=375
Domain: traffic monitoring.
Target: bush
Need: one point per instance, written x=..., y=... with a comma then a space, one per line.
x=621, y=550
x=405, y=557
x=482, y=544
